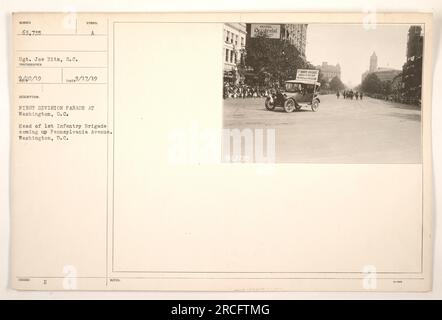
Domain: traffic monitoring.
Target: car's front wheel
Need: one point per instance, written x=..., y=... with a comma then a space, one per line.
x=270, y=104
x=290, y=105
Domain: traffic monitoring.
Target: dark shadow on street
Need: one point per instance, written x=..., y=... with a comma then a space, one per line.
x=282, y=110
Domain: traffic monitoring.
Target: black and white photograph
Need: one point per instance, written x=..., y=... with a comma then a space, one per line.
x=330, y=93
x=256, y=153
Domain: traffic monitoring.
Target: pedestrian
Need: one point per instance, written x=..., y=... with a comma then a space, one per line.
x=360, y=95
x=337, y=94
x=356, y=95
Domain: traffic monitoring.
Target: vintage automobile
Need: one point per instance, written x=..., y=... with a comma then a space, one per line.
x=296, y=94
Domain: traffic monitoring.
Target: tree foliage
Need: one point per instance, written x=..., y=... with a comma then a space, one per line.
x=371, y=84
x=336, y=84
x=274, y=59
x=386, y=87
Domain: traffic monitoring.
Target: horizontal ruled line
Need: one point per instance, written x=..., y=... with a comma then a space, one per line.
x=55, y=34
x=38, y=50
x=62, y=83
x=36, y=67
x=222, y=278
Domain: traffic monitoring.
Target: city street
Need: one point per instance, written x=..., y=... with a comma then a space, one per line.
x=341, y=131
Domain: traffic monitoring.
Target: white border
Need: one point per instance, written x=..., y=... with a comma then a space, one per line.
x=8, y=6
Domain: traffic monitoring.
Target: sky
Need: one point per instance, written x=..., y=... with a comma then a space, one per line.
x=351, y=46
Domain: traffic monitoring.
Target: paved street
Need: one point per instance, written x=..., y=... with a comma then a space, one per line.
x=342, y=131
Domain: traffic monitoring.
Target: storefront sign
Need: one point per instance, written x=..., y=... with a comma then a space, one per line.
x=272, y=31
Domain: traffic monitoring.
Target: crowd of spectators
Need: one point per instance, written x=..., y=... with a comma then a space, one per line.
x=245, y=91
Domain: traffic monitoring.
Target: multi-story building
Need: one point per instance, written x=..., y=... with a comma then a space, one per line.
x=296, y=34
x=329, y=71
x=234, y=47
x=415, y=41
x=412, y=69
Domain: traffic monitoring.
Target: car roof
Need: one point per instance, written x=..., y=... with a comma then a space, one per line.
x=303, y=82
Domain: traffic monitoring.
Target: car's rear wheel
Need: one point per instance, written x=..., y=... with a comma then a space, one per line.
x=315, y=106
x=290, y=105
x=270, y=104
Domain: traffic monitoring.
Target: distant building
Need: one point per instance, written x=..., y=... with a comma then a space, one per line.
x=412, y=69
x=373, y=62
x=329, y=71
x=384, y=74
x=234, y=46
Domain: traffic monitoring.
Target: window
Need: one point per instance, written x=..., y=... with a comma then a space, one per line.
x=231, y=56
x=227, y=55
x=227, y=36
x=292, y=87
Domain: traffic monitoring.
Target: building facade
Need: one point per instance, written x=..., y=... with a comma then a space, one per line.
x=233, y=50
x=329, y=71
x=386, y=74
x=412, y=69
x=296, y=34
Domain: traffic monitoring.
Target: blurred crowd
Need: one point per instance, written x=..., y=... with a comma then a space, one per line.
x=244, y=91
x=350, y=94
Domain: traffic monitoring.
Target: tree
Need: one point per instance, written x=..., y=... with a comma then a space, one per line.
x=336, y=84
x=321, y=79
x=386, y=87
x=371, y=84
x=274, y=58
